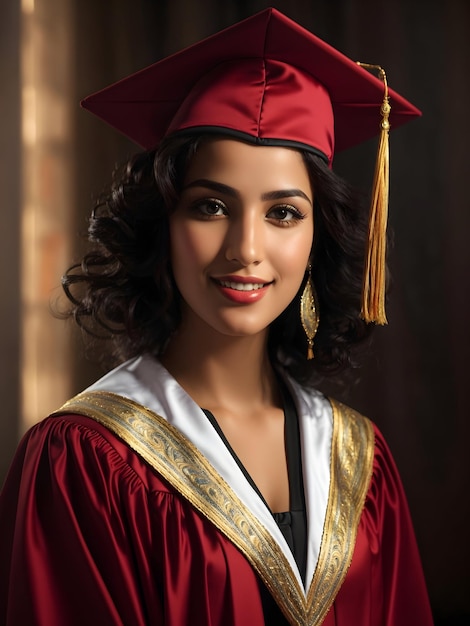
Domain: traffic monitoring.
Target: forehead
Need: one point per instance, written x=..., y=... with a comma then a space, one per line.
x=237, y=163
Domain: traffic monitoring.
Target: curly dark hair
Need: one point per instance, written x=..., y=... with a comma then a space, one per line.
x=123, y=289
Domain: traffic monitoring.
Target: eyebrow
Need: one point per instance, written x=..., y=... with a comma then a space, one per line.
x=278, y=194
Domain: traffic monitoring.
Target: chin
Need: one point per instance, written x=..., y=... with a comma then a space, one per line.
x=242, y=328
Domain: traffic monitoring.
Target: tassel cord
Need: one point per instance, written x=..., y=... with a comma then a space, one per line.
x=374, y=279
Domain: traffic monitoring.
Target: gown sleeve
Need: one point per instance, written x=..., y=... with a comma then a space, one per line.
x=69, y=512
x=385, y=584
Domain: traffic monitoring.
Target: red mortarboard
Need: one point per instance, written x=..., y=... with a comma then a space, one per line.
x=266, y=80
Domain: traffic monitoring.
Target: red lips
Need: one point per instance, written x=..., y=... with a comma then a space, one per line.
x=242, y=289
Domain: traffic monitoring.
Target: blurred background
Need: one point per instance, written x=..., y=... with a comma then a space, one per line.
x=56, y=158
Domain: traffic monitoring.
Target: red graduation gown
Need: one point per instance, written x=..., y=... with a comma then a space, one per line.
x=91, y=534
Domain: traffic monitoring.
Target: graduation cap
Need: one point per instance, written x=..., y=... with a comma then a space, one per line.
x=268, y=81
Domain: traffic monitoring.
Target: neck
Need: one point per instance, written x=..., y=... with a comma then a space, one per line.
x=220, y=371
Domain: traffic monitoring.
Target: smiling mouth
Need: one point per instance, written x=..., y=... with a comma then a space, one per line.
x=241, y=286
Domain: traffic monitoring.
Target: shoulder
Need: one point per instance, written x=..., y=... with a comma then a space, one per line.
x=359, y=451
x=81, y=447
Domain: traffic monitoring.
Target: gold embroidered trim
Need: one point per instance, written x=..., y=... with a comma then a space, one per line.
x=352, y=456
x=175, y=458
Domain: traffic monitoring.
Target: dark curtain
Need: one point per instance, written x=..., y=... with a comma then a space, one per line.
x=413, y=381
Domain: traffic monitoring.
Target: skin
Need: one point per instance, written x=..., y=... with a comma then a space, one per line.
x=245, y=214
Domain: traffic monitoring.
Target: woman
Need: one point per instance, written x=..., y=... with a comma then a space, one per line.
x=204, y=480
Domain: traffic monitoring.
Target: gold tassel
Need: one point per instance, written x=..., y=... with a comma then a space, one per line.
x=374, y=279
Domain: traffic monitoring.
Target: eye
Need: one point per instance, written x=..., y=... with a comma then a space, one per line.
x=285, y=214
x=210, y=207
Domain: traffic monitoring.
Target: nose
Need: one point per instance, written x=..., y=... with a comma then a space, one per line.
x=245, y=239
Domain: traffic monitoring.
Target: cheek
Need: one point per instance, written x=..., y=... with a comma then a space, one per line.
x=293, y=253
x=194, y=249
x=188, y=246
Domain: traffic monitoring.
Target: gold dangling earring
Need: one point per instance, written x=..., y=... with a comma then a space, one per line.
x=309, y=315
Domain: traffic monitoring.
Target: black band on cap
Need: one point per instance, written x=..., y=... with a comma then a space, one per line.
x=256, y=141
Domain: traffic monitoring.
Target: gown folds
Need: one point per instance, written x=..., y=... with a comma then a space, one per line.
x=126, y=508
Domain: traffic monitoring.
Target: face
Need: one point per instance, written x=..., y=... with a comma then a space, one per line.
x=241, y=235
